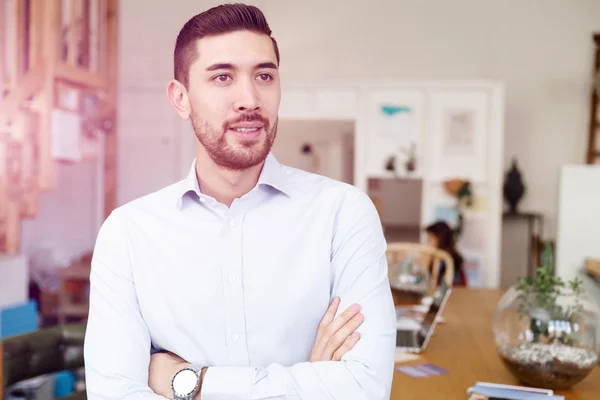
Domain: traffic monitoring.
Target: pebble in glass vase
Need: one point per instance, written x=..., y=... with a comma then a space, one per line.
x=546, y=330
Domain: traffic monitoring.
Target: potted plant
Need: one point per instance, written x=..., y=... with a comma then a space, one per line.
x=545, y=329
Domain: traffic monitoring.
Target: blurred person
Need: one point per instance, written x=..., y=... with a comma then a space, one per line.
x=441, y=236
x=248, y=278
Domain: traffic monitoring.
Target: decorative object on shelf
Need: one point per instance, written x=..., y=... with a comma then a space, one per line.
x=514, y=188
x=390, y=164
x=312, y=159
x=410, y=160
x=546, y=329
x=460, y=189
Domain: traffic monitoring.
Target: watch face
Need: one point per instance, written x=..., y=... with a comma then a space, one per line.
x=185, y=382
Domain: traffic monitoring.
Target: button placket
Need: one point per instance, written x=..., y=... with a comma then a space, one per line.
x=238, y=353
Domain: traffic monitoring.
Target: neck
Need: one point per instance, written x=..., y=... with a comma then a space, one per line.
x=222, y=184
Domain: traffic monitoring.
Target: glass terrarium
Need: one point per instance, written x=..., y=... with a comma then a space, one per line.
x=547, y=331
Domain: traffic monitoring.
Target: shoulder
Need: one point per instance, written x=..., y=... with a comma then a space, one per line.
x=321, y=188
x=155, y=203
x=349, y=207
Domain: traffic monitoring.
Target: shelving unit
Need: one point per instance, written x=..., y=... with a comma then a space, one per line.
x=57, y=56
x=593, y=151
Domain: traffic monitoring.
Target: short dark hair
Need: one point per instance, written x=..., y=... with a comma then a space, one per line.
x=217, y=20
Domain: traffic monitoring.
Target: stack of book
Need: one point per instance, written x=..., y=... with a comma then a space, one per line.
x=494, y=391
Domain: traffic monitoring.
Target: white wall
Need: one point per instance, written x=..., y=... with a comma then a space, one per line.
x=327, y=141
x=578, y=218
x=542, y=49
x=67, y=220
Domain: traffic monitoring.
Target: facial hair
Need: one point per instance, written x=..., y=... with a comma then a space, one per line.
x=239, y=156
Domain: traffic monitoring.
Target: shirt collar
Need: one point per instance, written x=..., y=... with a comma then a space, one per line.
x=273, y=174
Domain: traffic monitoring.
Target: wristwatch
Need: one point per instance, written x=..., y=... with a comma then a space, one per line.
x=186, y=382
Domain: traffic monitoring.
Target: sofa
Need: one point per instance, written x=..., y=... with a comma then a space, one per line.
x=45, y=351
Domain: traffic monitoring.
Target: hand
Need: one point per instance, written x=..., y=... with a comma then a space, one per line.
x=336, y=337
x=163, y=367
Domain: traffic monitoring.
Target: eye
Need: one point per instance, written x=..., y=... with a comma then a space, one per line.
x=265, y=77
x=222, y=78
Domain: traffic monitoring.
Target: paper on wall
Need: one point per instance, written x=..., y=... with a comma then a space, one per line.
x=66, y=135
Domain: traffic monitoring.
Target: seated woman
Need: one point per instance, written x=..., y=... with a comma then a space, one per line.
x=441, y=236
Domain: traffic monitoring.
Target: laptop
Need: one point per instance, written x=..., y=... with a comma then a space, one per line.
x=412, y=336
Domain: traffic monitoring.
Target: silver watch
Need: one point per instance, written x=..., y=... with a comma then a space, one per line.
x=185, y=382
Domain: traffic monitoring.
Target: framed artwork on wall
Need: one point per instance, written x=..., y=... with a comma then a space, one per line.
x=459, y=131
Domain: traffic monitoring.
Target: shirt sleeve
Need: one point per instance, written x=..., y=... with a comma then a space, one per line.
x=117, y=341
x=359, y=275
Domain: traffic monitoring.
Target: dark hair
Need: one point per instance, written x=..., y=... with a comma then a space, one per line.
x=447, y=241
x=217, y=20
x=444, y=235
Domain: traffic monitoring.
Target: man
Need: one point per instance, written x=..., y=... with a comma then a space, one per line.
x=252, y=279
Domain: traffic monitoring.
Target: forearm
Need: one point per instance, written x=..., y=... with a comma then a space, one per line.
x=321, y=380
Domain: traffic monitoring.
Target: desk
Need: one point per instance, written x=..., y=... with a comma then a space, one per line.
x=464, y=345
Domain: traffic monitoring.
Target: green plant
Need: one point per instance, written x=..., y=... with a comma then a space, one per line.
x=539, y=301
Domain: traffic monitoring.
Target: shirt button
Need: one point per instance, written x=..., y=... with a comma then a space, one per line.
x=232, y=223
x=202, y=200
x=231, y=278
x=235, y=336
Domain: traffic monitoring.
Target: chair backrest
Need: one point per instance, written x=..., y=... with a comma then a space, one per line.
x=44, y=351
x=428, y=255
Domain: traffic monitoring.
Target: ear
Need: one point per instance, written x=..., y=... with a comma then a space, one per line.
x=178, y=96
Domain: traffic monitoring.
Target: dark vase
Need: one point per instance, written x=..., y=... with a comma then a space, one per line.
x=514, y=189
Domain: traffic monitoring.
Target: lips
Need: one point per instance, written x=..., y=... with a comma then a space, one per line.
x=247, y=132
x=248, y=129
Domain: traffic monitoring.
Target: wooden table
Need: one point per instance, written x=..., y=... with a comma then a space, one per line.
x=464, y=345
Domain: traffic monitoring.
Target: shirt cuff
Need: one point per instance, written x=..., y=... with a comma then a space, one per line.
x=233, y=383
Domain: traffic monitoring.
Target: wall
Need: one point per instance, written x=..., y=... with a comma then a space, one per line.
x=541, y=48
x=327, y=139
x=67, y=220
x=578, y=219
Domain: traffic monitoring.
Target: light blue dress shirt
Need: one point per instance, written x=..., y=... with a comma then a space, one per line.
x=241, y=290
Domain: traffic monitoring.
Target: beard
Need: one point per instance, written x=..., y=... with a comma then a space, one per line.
x=235, y=156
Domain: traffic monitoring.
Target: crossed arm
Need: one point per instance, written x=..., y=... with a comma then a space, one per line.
x=117, y=346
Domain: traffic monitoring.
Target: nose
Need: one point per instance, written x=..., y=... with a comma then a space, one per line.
x=246, y=97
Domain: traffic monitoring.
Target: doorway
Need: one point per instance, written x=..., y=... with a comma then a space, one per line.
x=324, y=147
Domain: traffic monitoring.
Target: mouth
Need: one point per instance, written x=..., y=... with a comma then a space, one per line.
x=247, y=132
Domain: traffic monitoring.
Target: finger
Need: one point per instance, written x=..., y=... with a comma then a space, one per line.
x=346, y=346
x=320, y=343
x=341, y=335
x=328, y=317
x=341, y=320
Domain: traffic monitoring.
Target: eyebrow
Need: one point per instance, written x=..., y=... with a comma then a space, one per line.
x=219, y=66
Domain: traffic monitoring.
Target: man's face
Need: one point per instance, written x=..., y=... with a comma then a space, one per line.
x=234, y=94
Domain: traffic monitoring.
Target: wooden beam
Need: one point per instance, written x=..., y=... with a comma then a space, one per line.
x=19, y=44
x=51, y=45
x=73, y=32
x=102, y=37
x=110, y=162
x=31, y=190
x=80, y=77
x=86, y=34
x=31, y=85
x=14, y=161
x=594, y=103
x=3, y=79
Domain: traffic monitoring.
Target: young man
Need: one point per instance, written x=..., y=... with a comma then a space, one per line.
x=237, y=272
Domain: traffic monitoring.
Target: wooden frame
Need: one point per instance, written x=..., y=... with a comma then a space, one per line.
x=46, y=60
x=593, y=150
